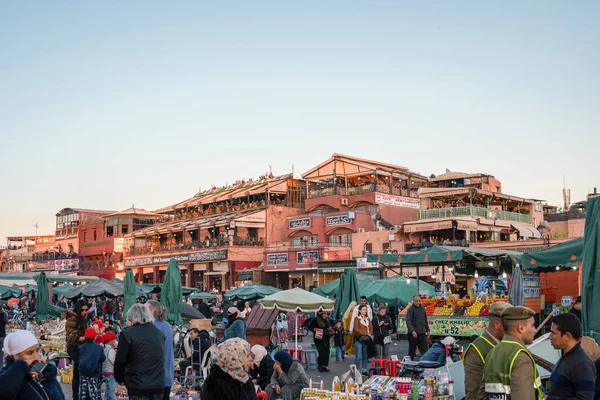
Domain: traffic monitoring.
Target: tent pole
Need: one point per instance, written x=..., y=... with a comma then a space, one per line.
x=418, y=276
x=296, y=345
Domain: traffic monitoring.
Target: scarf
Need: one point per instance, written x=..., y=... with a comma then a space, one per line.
x=232, y=357
x=259, y=353
x=284, y=359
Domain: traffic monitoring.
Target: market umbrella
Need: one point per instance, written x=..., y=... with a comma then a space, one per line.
x=157, y=287
x=395, y=290
x=171, y=293
x=297, y=300
x=348, y=292
x=29, y=288
x=55, y=311
x=41, y=299
x=62, y=289
x=330, y=288
x=590, y=274
x=11, y=302
x=203, y=295
x=128, y=292
x=190, y=312
x=98, y=288
x=7, y=292
x=250, y=292
x=515, y=293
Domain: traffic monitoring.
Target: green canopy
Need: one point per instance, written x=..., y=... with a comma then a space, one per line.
x=250, y=292
x=298, y=300
x=7, y=292
x=128, y=292
x=171, y=293
x=348, y=292
x=100, y=287
x=203, y=295
x=29, y=288
x=157, y=287
x=29, y=276
x=41, y=299
x=567, y=254
x=330, y=288
x=591, y=275
x=54, y=311
x=395, y=290
x=62, y=289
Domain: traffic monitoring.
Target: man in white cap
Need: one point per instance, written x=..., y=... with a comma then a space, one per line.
x=19, y=378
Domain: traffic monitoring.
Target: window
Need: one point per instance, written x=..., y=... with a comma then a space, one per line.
x=302, y=241
x=125, y=229
x=84, y=237
x=368, y=247
x=109, y=231
x=253, y=233
x=340, y=240
x=95, y=236
x=386, y=246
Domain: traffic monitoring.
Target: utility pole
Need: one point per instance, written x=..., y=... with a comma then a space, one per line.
x=36, y=226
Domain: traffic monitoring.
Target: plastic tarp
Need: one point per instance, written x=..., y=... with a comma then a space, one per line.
x=41, y=299
x=171, y=294
x=396, y=290
x=7, y=292
x=250, y=292
x=591, y=271
x=62, y=289
x=567, y=254
x=98, y=288
x=347, y=292
x=157, y=287
x=439, y=254
x=330, y=288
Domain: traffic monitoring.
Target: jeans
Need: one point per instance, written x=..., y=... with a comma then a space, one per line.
x=339, y=350
x=382, y=350
x=74, y=356
x=109, y=388
x=360, y=355
x=90, y=388
x=109, y=317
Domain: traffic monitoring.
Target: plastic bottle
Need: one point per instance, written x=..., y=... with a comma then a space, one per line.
x=350, y=386
x=335, y=386
x=322, y=385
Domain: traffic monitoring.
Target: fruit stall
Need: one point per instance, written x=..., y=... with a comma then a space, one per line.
x=454, y=317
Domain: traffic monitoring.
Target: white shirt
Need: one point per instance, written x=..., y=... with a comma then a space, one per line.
x=355, y=314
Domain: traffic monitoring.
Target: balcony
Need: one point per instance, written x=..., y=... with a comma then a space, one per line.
x=360, y=189
x=40, y=257
x=473, y=211
x=207, y=244
x=307, y=246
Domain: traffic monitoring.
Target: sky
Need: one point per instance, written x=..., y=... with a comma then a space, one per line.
x=108, y=104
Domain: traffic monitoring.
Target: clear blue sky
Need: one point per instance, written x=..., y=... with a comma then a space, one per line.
x=105, y=104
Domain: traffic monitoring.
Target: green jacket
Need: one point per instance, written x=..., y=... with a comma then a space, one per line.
x=508, y=373
x=474, y=362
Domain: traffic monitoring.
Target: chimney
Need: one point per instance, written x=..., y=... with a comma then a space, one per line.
x=595, y=190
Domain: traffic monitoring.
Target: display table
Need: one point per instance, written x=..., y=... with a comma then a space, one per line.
x=450, y=326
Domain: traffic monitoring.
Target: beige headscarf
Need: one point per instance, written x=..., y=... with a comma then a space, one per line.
x=259, y=353
x=232, y=357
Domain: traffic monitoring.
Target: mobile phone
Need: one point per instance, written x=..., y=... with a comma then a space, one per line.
x=38, y=367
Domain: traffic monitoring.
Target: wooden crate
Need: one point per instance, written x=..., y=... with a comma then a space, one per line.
x=201, y=324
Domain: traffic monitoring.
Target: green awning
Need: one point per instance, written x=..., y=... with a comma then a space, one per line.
x=567, y=254
x=330, y=288
x=591, y=275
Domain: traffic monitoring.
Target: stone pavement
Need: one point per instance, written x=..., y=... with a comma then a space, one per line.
x=398, y=348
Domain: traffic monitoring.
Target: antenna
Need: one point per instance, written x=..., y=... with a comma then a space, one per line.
x=36, y=226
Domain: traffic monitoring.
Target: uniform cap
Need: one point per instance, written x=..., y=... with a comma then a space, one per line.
x=498, y=308
x=517, y=313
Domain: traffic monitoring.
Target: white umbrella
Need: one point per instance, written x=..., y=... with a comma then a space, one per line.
x=297, y=300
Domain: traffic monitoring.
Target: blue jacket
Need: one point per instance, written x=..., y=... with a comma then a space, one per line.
x=167, y=330
x=91, y=357
x=237, y=329
x=17, y=384
x=437, y=353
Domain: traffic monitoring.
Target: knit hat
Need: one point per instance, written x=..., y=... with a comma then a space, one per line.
x=108, y=336
x=19, y=341
x=90, y=333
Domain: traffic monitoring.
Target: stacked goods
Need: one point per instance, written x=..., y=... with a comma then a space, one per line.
x=441, y=307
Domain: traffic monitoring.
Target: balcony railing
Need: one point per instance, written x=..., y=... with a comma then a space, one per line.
x=306, y=246
x=206, y=244
x=474, y=211
x=52, y=256
x=360, y=189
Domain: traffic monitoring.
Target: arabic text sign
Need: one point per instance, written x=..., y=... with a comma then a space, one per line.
x=398, y=201
x=299, y=223
x=277, y=259
x=338, y=220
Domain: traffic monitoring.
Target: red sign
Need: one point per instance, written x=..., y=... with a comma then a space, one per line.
x=335, y=255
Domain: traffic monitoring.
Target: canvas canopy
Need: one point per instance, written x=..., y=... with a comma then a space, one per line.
x=567, y=254
x=330, y=288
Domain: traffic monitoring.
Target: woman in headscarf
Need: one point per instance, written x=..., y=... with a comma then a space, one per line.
x=228, y=377
x=261, y=369
x=288, y=378
x=322, y=334
x=236, y=326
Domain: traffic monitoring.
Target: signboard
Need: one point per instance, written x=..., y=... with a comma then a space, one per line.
x=277, y=259
x=66, y=265
x=119, y=244
x=398, y=201
x=299, y=223
x=362, y=263
x=426, y=227
x=41, y=266
x=338, y=220
x=531, y=286
x=214, y=255
x=333, y=255
x=306, y=257
x=447, y=326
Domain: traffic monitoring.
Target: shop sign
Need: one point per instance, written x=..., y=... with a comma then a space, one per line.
x=215, y=255
x=299, y=223
x=338, y=220
x=432, y=226
x=41, y=266
x=362, y=263
x=66, y=265
x=306, y=257
x=333, y=255
x=118, y=245
x=277, y=259
x=331, y=270
x=445, y=326
x=398, y=201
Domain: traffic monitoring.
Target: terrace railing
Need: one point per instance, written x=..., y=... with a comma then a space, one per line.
x=474, y=211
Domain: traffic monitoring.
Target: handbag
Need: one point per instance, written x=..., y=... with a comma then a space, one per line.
x=364, y=339
x=387, y=340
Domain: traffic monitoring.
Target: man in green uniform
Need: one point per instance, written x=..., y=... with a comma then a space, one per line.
x=477, y=352
x=510, y=371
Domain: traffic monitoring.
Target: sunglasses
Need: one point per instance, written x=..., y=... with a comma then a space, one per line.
x=84, y=309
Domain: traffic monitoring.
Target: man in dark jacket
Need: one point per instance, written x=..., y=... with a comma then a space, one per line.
x=418, y=328
x=139, y=363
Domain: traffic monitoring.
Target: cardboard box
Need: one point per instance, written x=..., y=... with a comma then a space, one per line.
x=201, y=324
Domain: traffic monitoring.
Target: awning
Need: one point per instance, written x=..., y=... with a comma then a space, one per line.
x=252, y=220
x=426, y=226
x=526, y=231
x=245, y=276
x=466, y=224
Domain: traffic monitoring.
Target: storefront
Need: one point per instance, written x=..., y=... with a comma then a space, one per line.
x=303, y=278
